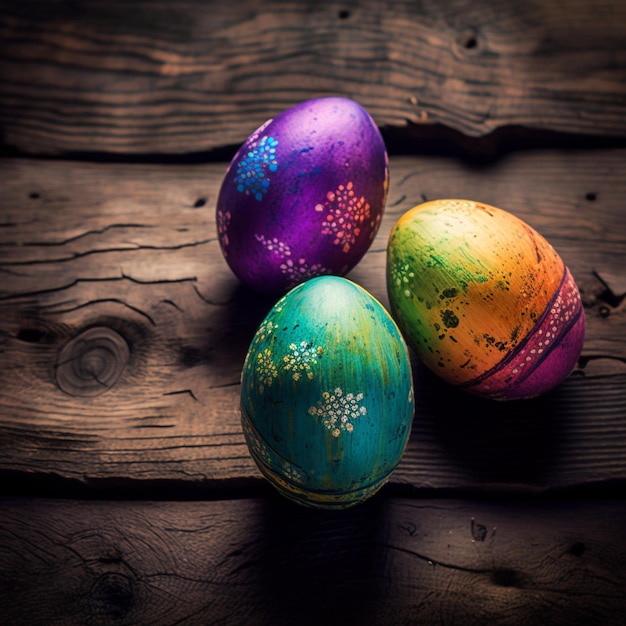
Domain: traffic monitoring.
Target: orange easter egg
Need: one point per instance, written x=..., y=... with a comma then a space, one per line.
x=483, y=299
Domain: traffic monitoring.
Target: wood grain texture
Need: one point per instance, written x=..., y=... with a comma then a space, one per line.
x=152, y=77
x=119, y=267
x=259, y=562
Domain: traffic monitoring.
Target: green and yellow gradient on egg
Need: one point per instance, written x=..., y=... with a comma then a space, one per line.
x=483, y=299
x=327, y=394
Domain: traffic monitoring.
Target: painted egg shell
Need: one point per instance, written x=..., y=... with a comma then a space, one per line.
x=304, y=195
x=327, y=394
x=484, y=299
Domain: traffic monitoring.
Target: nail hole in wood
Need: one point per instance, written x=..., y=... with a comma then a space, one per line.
x=468, y=40
x=479, y=532
x=578, y=549
x=506, y=578
x=30, y=335
x=344, y=15
x=591, y=196
x=91, y=363
x=34, y=195
x=200, y=202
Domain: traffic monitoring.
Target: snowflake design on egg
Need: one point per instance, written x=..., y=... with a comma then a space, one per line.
x=345, y=213
x=301, y=359
x=402, y=276
x=264, y=331
x=291, y=472
x=251, y=176
x=265, y=369
x=338, y=411
x=262, y=361
x=258, y=447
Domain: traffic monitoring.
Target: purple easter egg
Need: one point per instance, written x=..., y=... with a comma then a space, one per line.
x=304, y=195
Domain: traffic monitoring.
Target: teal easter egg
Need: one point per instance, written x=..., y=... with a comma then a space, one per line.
x=327, y=394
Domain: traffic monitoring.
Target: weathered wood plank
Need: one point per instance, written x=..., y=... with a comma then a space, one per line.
x=258, y=562
x=151, y=77
x=131, y=250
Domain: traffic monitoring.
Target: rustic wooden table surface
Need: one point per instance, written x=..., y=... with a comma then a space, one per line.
x=127, y=493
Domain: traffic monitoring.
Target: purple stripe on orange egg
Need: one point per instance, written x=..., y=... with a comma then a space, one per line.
x=545, y=357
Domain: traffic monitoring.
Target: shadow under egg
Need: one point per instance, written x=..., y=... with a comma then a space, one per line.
x=488, y=442
x=312, y=557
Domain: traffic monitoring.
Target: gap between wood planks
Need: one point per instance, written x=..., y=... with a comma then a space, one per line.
x=49, y=485
x=416, y=140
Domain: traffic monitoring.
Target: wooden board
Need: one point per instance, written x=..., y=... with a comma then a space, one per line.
x=127, y=493
x=117, y=267
x=149, y=77
x=264, y=561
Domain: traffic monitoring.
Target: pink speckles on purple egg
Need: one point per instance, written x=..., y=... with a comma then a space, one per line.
x=344, y=215
x=295, y=271
x=547, y=355
x=300, y=270
x=304, y=195
x=223, y=220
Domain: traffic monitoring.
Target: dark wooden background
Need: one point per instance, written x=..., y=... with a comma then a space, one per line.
x=127, y=494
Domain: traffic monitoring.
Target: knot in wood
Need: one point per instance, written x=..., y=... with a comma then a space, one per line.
x=111, y=595
x=92, y=362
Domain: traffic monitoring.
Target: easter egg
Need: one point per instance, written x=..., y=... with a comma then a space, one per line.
x=327, y=394
x=304, y=195
x=484, y=299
